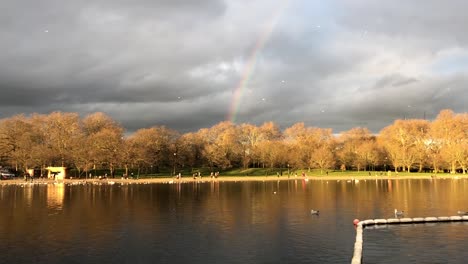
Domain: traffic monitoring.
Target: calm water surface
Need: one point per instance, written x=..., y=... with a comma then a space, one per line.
x=243, y=222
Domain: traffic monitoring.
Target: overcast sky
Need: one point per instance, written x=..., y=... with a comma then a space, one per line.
x=180, y=63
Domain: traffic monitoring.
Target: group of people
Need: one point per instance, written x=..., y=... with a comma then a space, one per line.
x=30, y=177
x=197, y=175
x=278, y=174
x=126, y=176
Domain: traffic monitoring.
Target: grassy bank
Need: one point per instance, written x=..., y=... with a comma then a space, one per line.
x=283, y=173
x=232, y=177
x=261, y=172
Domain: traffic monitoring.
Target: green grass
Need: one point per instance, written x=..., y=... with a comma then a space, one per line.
x=205, y=172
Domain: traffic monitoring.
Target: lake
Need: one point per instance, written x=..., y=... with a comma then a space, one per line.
x=230, y=222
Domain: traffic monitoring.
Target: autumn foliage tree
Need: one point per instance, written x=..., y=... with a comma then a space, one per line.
x=449, y=134
x=96, y=141
x=221, y=145
x=357, y=148
x=104, y=140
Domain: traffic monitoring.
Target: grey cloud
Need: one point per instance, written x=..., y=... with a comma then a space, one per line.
x=378, y=108
x=438, y=23
x=394, y=80
x=178, y=62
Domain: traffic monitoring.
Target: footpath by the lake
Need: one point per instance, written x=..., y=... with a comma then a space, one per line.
x=187, y=179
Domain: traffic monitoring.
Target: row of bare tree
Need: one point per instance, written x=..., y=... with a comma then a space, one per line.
x=97, y=141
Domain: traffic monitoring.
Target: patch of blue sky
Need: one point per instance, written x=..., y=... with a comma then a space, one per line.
x=453, y=64
x=310, y=16
x=308, y=25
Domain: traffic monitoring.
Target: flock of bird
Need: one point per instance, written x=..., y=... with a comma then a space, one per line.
x=401, y=213
x=397, y=213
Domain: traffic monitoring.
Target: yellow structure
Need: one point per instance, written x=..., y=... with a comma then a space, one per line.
x=30, y=172
x=56, y=173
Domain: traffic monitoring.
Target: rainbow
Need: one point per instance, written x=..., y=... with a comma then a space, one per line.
x=252, y=60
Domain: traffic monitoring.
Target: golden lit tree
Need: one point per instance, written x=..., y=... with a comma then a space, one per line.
x=221, y=145
x=462, y=150
x=323, y=158
x=301, y=142
x=249, y=137
x=16, y=141
x=449, y=131
x=304, y=141
x=63, y=132
x=190, y=149
x=400, y=144
x=42, y=153
x=104, y=139
x=153, y=147
x=357, y=148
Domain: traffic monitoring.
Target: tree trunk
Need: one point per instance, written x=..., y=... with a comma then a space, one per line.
x=111, y=170
x=434, y=165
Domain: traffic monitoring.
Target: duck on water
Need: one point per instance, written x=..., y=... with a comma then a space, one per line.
x=399, y=213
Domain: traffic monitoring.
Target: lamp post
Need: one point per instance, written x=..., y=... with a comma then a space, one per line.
x=385, y=164
x=175, y=157
x=288, y=168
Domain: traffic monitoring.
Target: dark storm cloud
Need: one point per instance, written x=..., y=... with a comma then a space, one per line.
x=93, y=52
x=336, y=64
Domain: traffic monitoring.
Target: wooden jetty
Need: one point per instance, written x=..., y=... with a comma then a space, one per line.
x=357, y=256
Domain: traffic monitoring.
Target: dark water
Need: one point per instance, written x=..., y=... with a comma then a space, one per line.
x=230, y=222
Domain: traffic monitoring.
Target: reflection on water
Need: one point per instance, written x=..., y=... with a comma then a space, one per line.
x=55, y=195
x=212, y=222
x=417, y=243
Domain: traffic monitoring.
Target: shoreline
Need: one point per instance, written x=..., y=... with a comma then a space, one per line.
x=171, y=180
